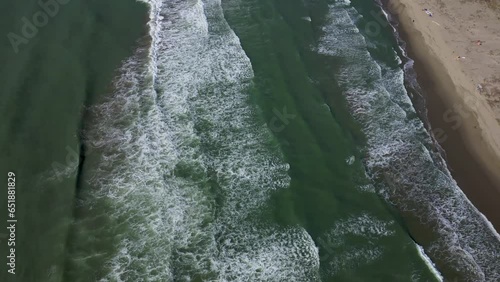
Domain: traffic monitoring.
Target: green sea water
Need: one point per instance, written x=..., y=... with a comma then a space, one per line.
x=46, y=81
x=326, y=190
x=232, y=140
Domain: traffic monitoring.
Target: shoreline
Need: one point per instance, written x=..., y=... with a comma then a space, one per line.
x=462, y=121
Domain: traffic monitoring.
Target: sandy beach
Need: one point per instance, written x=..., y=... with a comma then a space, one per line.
x=456, y=48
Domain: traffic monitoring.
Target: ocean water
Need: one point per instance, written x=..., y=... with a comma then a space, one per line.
x=250, y=140
x=61, y=65
x=219, y=160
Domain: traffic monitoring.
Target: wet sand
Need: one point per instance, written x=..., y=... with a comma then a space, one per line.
x=464, y=120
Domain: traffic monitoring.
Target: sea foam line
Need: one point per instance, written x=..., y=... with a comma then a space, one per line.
x=176, y=129
x=429, y=262
x=399, y=152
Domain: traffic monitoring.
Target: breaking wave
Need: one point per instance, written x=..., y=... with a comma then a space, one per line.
x=184, y=166
x=401, y=153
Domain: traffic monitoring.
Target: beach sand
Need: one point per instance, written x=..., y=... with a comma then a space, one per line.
x=462, y=94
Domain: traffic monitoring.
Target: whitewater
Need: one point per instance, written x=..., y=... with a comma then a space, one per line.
x=183, y=167
x=409, y=173
x=185, y=164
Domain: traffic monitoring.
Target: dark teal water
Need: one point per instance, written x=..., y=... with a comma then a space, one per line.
x=242, y=141
x=44, y=88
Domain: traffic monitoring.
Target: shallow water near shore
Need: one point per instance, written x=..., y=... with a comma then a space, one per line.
x=262, y=141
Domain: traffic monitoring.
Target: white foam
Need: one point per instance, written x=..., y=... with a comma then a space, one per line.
x=184, y=164
x=346, y=256
x=350, y=160
x=429, y=263
x=399, y=151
